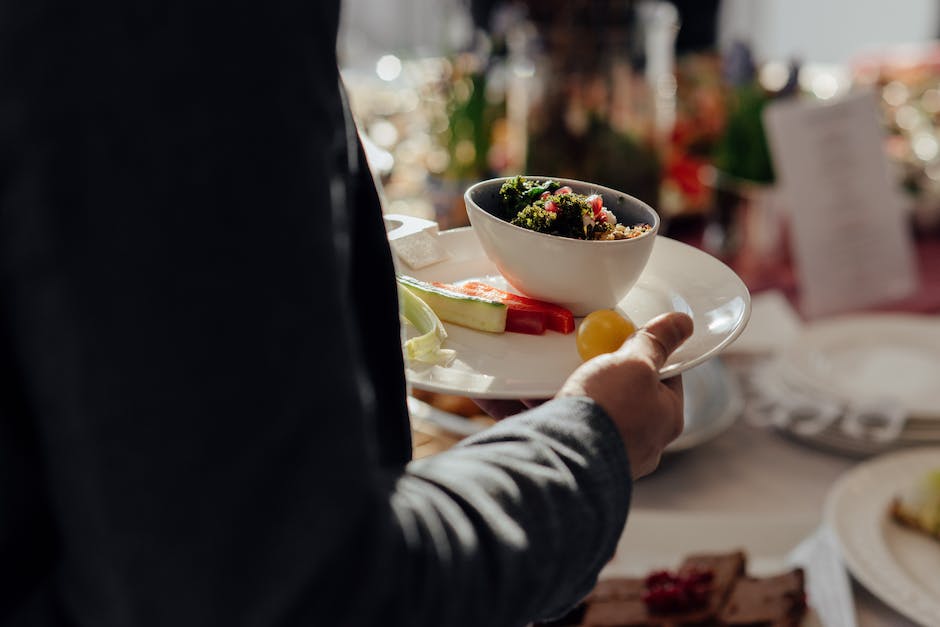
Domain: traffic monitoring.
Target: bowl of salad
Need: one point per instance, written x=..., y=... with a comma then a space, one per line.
x=576, y=244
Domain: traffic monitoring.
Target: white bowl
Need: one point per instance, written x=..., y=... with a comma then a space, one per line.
x=582, y=275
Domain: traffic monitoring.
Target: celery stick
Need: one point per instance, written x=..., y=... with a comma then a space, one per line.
x=426, y=347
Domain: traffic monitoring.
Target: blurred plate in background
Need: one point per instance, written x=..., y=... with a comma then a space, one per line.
x=871, y=359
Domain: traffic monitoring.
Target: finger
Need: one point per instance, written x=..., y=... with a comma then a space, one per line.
x=499, y=408
x=660, y=337
x=652, y=465
x=533, y=402
x=674, y=384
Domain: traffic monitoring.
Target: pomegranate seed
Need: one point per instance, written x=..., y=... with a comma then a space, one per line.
x=597, y=204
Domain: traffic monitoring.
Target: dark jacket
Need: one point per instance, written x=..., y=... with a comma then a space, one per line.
x=202, y=406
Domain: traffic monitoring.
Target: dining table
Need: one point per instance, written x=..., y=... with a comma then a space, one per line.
x=755, y=478
x=755, y=474
x=750, y=484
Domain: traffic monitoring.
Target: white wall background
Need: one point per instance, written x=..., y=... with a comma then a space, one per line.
x=826, y=31
x=406, y=28
x=818, y=31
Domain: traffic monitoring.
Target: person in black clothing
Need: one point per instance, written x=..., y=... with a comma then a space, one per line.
x=202, y=401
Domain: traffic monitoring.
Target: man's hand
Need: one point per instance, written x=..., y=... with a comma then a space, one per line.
x=503, y=408
x=625, y=383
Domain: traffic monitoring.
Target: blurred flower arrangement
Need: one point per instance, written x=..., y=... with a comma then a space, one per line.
x=742, y=152
x=699, y=125
x=468, y=113
x=718, y=169
x=474, y=107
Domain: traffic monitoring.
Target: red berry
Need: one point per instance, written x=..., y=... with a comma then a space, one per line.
x=666, y=592
x=659, y=578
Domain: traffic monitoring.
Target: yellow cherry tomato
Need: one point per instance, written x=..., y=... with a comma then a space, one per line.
x=602, y=331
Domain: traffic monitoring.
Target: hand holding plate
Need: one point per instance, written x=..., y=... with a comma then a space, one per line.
x=503, y=408
x=646, y=410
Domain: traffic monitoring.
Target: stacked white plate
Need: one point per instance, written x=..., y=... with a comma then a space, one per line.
x=860, y=384
x=713, y=402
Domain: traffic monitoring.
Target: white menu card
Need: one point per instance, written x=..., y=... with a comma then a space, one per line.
x=848, y=230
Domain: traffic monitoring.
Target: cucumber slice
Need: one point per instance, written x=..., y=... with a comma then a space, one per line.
x=468, y=311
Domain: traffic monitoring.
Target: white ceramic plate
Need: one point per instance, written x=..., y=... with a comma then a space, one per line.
x=898, y=565
x=872, y=359
x=678, y=277
x=713, y=402
x=654, y=540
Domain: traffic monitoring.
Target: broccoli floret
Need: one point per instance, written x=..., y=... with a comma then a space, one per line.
x=566, y=221
x=519, y=192
x=512, y=196
x=572, y=208
x=597, y=230
x=545, y=186
x=535, y=218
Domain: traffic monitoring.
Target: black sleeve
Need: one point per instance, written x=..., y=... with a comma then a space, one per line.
x=203, y=417
x=523, y=515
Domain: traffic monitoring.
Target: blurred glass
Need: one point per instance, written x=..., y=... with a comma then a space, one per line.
x=402, y=76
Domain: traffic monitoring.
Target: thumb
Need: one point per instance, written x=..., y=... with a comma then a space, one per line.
x=659, y=338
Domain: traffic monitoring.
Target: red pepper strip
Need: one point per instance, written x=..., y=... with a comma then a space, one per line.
x=557, y=318
x=523, y=321
x=519, y=319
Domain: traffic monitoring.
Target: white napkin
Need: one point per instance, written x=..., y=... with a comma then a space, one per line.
x=828, y=589
x=772, y=326
x=780, y=398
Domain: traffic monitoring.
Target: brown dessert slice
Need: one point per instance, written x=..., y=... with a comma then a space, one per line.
x=707, y=589
x=777, y=601
x=617, y=602
x=619, y=613
x=725, y=568
x=635, y=613
x=618, y=589
x=627, y=602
